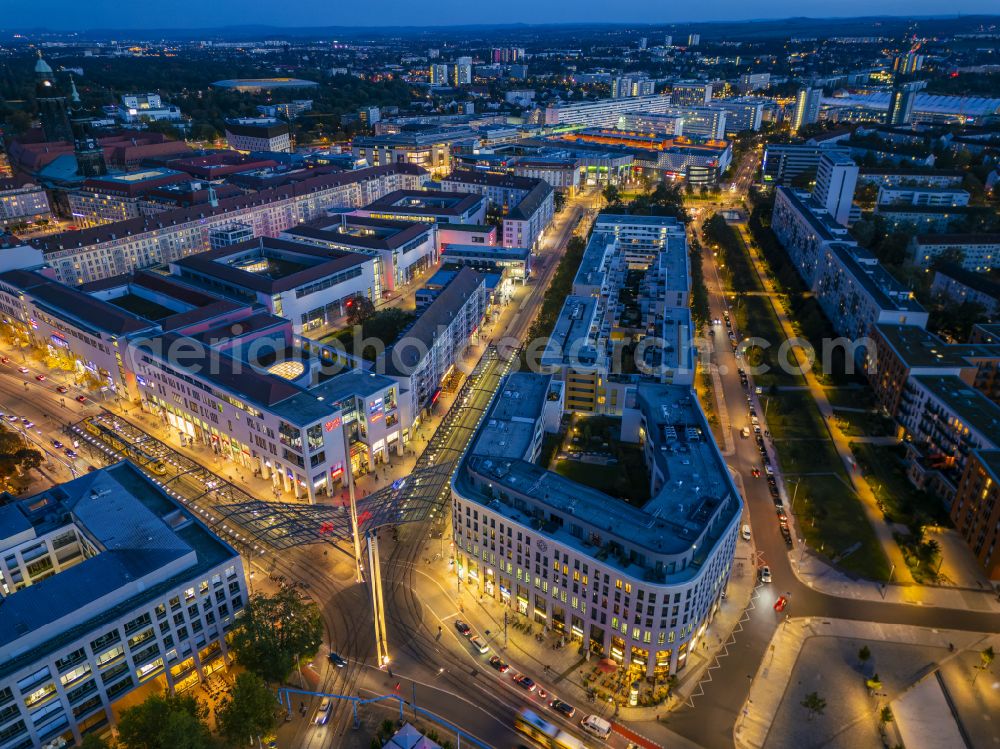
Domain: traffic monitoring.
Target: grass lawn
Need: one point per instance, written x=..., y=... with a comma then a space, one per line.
x=706, y=396
x=792, y=414
x=830, y=513
x=755, y=319
x=799, y=456
x=864, y=423
x=904, y=503
x=834, y=524
x=736, y=270
x=850, y=397
x=628, y=479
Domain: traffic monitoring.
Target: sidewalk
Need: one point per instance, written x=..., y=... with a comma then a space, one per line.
x=395, y=466
x=563, y=670
x=773, y=677
x=840, y=441
x=819, y=576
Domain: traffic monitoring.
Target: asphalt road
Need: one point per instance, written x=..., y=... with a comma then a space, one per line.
x=456, y=694
x=711, y=720
x=478, y=701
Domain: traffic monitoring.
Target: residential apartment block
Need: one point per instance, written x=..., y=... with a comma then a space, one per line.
x=400, y=249
x=435, y=342
x=526, y=205
x=601, y=113
x=851, y=286
x=956, y=285
x=632, y=286
x=22, y=203
x=933, y=196
x=976, y=509
x=635, y=584
x=975, y=252
x=903, y=351
x=946, y=421
x=126, y=246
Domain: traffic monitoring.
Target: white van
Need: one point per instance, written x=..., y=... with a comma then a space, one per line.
x=746, y=532
x=596, y=726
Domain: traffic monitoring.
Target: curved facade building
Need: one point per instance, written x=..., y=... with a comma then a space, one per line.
x=637, y=584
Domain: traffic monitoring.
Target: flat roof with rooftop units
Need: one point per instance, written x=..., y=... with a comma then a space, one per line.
x=428, y=205
x=918, y=348
x=693, y=503
x=971, y=406
x=572, y=337
x=265, y=265
x=137, y=546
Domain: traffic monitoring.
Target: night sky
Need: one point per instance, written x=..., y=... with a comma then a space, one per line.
x=194, y=14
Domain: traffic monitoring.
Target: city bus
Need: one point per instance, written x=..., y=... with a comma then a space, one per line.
x=544, y=733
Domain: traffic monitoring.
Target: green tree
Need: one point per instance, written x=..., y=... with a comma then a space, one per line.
x=804, y=180
x=986, y=658
x=864, y=655
x=885, y=716
x=359, y=309
x=164, y=722
x=814, y=704
x=249, y=711
x=93, y=741
x=611, y=194
x=15, y=457
x=274, y=631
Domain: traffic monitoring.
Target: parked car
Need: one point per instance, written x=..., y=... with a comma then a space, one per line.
x=765, y=574
x=498, y=664
x=478, y=644
x=463, y=628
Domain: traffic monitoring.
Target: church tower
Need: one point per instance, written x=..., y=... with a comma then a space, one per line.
x=89, y=153
x=51, y=104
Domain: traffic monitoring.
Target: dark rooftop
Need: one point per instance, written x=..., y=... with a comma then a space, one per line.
x=439, y=313
x=918, y=348
x=166, y=219
x=71, y=303
x=287, y=274
x=426, y=202
x=975, y=281
x=141, y=530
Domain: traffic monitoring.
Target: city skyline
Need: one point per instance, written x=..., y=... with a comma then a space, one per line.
x=67, y=16
x=562, y=386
